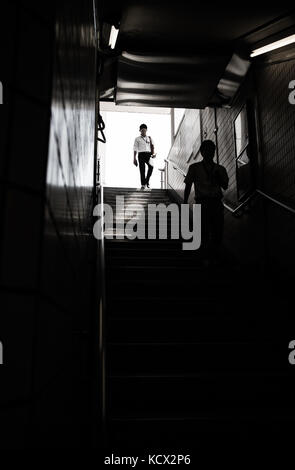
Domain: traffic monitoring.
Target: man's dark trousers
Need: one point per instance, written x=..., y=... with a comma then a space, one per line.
x=212, y=223
x=143, y=158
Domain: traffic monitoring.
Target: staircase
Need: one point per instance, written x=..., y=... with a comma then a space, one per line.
x=183, y=366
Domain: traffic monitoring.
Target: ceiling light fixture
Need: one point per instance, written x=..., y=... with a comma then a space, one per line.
x=273, y=45
x=113, y=37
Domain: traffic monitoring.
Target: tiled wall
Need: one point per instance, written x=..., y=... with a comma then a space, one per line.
x=48, y=253
x=264, y=234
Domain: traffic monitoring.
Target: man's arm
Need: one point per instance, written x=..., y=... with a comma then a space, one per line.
x=187, y=190
x=188, y=184
x=135, y=150
x=223, y=178
x=134, y=158
x=152, y=146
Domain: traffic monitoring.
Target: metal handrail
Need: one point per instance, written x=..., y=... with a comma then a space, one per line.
x=263, y=194
x=175, y=167
x=237, y=209
x=279, y=203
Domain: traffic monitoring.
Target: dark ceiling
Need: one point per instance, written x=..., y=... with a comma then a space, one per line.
x=170, y=54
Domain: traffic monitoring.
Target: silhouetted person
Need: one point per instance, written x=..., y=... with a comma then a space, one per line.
x=144, y=146
x=208, y=178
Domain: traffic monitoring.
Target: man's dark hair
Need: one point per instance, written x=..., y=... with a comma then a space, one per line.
x=142, y=126
x=207, y=148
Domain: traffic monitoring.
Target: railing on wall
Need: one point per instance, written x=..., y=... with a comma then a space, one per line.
x=175, y=167
x=236, y=211
x=275, y=201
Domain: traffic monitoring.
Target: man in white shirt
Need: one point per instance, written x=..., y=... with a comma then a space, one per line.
x=144, y=146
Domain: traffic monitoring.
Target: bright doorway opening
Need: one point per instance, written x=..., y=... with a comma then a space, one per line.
x=122, y=127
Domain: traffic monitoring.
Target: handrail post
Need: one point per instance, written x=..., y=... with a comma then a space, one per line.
x=162, y=170
x=166, y=175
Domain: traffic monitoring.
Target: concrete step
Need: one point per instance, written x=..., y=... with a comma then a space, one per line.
x=170, y=275
x=199, y=393
x=142, y=196
x=194, y=358
x=138, y=197
x=168, y=286
x=112, y=189
x=187, y=434
x=141, y=234
x=155, y=304
x=202, y=327
x=197, y=434
x=113, y=262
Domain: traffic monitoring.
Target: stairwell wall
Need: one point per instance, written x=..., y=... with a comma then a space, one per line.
x=264, y=235
x=48, y=253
